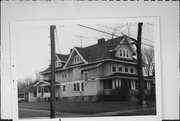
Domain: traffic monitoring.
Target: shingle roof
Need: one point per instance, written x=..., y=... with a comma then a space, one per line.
x=28, y=87
x=49, y=69
x=120, y=75
x=63, y=57
x=114, y=75
x=98, y=52
x=49, y=81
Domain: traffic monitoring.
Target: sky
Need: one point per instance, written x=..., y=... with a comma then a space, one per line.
x=33, y=42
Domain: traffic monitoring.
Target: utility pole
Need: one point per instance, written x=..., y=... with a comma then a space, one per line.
x=52, y=98
x=142, y=99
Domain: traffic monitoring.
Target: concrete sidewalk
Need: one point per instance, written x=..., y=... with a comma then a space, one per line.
x=65, y=115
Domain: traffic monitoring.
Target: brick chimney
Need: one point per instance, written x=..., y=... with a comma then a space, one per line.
x=101, y=41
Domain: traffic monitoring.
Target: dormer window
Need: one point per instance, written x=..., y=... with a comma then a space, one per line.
x=120, y=54
x=127, y=53
x=77, y=59
x=57, y=64
x=124, y=53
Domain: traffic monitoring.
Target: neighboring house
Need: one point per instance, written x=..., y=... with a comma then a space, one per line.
x=28, y=93
x=36, y=91
x=97, y=69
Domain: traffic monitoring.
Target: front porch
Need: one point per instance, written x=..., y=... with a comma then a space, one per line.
x=43, y=91
x=124, y=85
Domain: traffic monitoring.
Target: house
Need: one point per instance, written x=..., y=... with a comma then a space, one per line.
x=36, y=91
x=88, y=72
x=27, y=93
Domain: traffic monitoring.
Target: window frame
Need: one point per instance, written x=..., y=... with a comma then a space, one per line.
x=113, y=69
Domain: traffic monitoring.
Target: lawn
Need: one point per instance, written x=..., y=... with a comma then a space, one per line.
x=84, y=107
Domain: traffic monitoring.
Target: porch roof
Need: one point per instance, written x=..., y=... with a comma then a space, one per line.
x=28, y=88
x=48, y=82
x=124, y=76
x=120, y=75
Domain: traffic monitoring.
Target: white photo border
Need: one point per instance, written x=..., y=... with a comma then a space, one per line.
x=167, y=11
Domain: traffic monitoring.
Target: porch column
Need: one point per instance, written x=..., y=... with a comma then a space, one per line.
x=119, y=82
x=134, y=84
x=117, y=85
x=131, y=84
x=80, y=86
x=113, y=84
x=37, y=91
x=148, y=85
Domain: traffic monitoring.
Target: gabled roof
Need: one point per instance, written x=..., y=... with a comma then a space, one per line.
x=97, y=52
x=48, y=82
x=48, y=70
x=126, y=75
x=75, y=50
x=62, y=57
x=28, y=87
x=102, y=51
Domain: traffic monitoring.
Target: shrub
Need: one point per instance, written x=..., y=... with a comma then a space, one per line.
x=121, y=94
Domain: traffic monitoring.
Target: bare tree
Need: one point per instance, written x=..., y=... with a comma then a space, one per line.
x=28, y=80
x=148, y=59
x=24, y=82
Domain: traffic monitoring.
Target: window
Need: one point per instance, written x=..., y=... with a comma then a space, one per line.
x=64, y=75
x=77, y=59
x=39, y=89
x=126, y=69
x=35, y=94
x=46, y=89
x=74, y=86
x=120, y=69
x=132, y=70
x=137, y=84
x=64, y=88
x=82, y=86
x=78, y=87
x=85, y=77
x=124, y=52
x=127, y=53
x=57, y=64
x=120, y=52
x=114, y=69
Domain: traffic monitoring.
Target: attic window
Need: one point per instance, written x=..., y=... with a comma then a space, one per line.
x=57, y=64
x=77, y=59
x=123, y=53
x=127, y=53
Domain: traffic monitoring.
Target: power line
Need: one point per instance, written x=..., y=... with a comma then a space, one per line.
x=108, y=33
x=128, y=26
x=97, y=30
